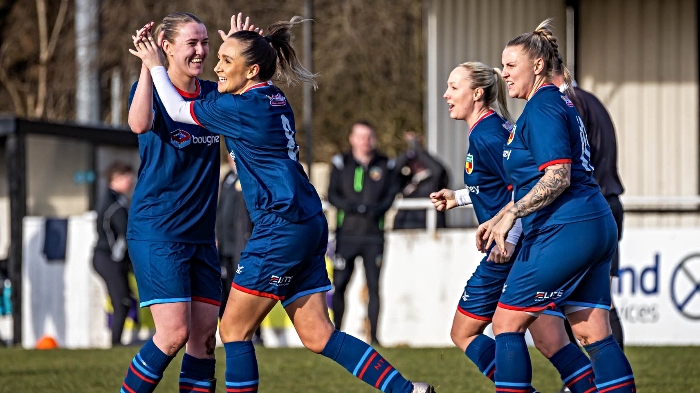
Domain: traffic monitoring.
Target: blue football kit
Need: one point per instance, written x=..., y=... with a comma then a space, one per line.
x=284, y=258
x=173, y=213
x=557, y=265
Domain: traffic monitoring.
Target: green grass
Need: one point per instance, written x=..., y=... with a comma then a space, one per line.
x=657, y=370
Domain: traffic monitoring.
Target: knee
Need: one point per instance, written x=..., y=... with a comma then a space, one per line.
x=548, y=346
x=232, y=331
x=317, y=340
x=460, y=339
x=173, y=339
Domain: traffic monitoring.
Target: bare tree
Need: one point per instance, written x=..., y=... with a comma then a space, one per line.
x=32, y=102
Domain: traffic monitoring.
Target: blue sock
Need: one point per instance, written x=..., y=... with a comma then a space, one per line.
x=482, y=351
x=365, y=363
x=241, y=367
x=613, y=372
x=513, y=367
x=146, y=369
x=196, y=375
x=575, y=369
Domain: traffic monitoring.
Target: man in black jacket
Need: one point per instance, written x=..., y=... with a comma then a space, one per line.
x=110, y=258
x=362, y=187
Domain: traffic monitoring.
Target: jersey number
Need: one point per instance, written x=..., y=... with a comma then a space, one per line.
x=585, y=148
x=292, y=147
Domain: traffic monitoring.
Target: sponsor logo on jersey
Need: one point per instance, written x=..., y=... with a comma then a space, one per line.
x=277, y=100
x=280, y=281
x=473, y=189
x=568, y=101
x=180, y=138
x=375, y=173
x=512, y=133
x=469, y=165
x=540, y=296
x=205, y=139
x=506, y=154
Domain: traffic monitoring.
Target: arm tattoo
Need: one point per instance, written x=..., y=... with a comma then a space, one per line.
x=555, y=180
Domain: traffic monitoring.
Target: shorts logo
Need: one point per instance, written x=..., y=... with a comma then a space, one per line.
x=540, y=296
x=568, y=101
x=239, y=269
x=512, y=134
x=180, y=138
x=469, y=165
x=465, y=296
x=277, y=100
x=280, y=281
x=375, y=173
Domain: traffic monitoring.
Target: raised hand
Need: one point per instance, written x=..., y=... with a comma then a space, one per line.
x=239, y=24
x=149, y=51
x=143, y=32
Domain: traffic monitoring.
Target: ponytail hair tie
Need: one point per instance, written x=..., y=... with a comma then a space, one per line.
x=267, y=38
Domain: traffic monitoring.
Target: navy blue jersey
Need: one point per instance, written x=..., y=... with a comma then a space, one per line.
x=260, y=135
x=548, y=132
x=178, y=181
x=484, y=175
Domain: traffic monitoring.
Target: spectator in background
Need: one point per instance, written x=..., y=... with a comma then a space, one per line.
x=110, y=259
x=418, y=174
x=362, y=187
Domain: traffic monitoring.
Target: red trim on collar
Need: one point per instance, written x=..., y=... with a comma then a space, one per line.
x=258, y=85
x=485, y=115
x=538, y=89
x=185, y=94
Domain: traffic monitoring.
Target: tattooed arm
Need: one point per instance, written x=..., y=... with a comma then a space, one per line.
x=556, y=179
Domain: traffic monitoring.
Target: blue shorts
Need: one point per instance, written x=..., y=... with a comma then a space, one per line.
x=565, y=265
x=168, y=272
x=483, y=290
x=285, y=260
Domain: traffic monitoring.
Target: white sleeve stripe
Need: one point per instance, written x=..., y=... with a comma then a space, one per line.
x=177, y=108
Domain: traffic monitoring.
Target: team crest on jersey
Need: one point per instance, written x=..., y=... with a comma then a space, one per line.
x=512, y=133
x=180, y=138
x=469, y=165
x=375, y=173
x=277, y=100
x=568, y=101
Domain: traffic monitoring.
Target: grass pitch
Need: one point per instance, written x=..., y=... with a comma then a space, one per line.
x=657, y=370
